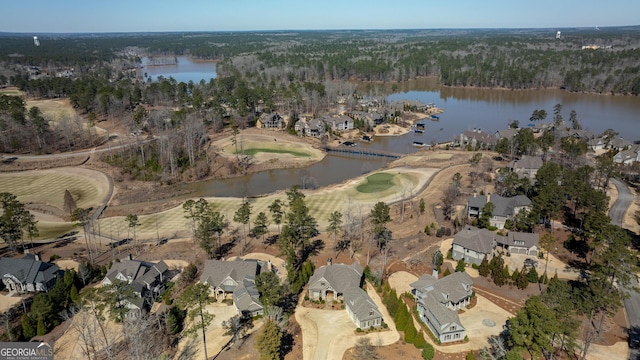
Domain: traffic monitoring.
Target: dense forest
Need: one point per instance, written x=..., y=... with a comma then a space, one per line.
x=514, y=59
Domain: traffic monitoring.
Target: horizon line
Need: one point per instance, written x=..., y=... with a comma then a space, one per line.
x=600, y=27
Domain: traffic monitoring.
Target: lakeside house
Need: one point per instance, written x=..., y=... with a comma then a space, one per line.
x=309, y=127
x=475, y=138
x=270, y=121
x=438, y=302
x=235, y=278
x=334, y=282
x=527, y=166
x=505, y=208
x=28, y=274
x=628, y=157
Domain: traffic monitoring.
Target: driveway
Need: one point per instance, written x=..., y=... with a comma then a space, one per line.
x=327, y=334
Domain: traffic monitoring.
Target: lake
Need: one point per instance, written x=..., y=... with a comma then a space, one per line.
x=185, y=69
x=464, y=109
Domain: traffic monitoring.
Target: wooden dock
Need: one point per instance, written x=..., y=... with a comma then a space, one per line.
x=362, y=152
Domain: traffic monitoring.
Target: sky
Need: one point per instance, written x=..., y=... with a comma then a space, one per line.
x=95, y=16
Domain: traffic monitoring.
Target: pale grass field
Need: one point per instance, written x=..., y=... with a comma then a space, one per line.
x=320, y=202
x=87, y=187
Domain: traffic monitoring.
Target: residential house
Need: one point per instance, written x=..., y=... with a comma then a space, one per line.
x=270, y=121
x=526, y=166
x=596, y=144
x=340, y=123
x=310, y=127
x=620, y=144
x=627, y=157
x=438, y=301
x=505, y=208
x=476, y=138
x=146, y=279
x=235, y=278
x=472, y=244
x=340, y=281
x=371, y=118
x=509, y=134
x=361, y=308
x=410, y=105
x=520, y=243
x=331, y=281
x=28, y=274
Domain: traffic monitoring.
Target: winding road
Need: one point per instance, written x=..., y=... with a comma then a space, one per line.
x=632, y=303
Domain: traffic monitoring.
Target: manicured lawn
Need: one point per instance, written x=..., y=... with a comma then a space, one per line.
x=253, y=151
x=376, y=183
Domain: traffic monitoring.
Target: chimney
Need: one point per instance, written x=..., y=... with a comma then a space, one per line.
x=37, y=256
x=329, y=261
x=435, y=273
x=129, y=257
x=269, y=265
x=488, y=197
x=475, y=194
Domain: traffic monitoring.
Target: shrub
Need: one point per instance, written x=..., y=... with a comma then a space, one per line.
x=460, y=265
x=447, y=272
x=427, y=230
x=492, y=228
x=450, y=254
x=358, y=330
x=419, y=341
x=54, y=257
x=470, y=356
x=428, y=352
x=410, y=332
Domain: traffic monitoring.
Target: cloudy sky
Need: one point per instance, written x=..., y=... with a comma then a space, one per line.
x=37, y=16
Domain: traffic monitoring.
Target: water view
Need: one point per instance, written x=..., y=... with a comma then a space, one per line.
x=183, y=69
x=464, y=109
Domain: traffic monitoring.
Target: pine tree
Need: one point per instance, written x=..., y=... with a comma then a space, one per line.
x=484, y=269
x=410, y=332
x=28, y=328
x=268, y=342
x=532, y=276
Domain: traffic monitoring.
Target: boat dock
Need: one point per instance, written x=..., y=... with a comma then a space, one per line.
x=363, y=152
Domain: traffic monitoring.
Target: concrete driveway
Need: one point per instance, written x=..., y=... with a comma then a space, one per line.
x=327, y=334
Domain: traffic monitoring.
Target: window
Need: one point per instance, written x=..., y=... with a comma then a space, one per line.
x=452, y=328
x=447, y=337
x=370, y=312
x=229, y=282
x=456, y=336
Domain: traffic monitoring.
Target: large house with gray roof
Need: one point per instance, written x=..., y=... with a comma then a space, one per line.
x=438, y=301
x=28, y=274
x=235, y=278
x=505, y=208
x=331, y=281
x=527, y=166
x=146, y=279
x=520, y=243
x=361, y=308
x=340, y=281
x=472, y=244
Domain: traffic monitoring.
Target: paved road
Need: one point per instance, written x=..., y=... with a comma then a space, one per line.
x=631, y=304
x=620, y=206
x=87, y=152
